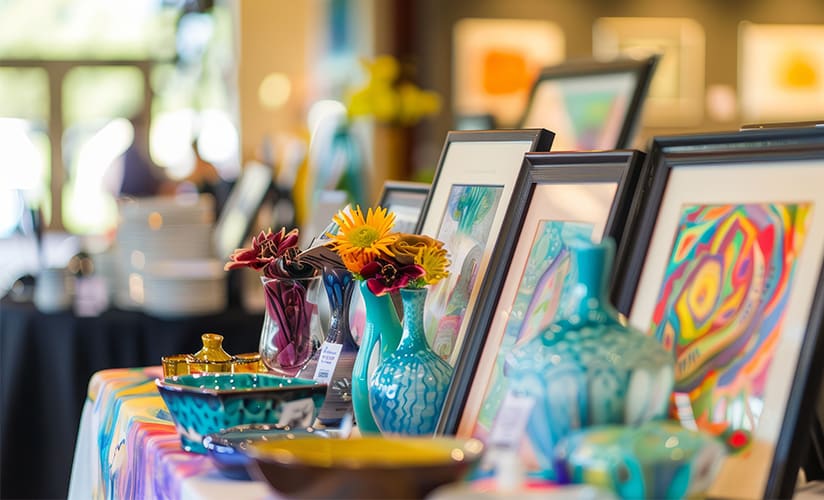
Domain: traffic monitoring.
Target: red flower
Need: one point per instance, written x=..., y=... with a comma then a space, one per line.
x=266, y=248
x=385, y=276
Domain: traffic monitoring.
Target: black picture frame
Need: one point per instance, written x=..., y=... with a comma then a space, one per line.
x=605, y=75
x=489, y=162
x=552, y=171
x=405, y=199
x=757, y=166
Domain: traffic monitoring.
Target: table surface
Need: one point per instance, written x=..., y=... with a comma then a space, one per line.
x=127, y=447
x=46, y=361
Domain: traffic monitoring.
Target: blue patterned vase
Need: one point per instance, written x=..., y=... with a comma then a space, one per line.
x=588, y=368
x=333, y=363
x=408, y=389
x=382, y=326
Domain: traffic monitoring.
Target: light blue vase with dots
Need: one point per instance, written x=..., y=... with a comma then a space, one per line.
x=408, y=389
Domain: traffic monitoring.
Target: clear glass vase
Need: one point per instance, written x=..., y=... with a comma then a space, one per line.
x=291, y=331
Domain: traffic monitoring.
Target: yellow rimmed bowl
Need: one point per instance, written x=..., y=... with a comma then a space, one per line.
x=367, y=467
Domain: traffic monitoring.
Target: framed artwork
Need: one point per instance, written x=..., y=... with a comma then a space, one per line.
x=465, y=209
x=560, y=198
x=590, y=105
x=726, y=272
x=676, y=93
x=496, y=62
x=406, y=200
x=235, y=220
x=780, y=71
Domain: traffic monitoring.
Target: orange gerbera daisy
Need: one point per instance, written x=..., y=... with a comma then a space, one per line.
x=360, y=240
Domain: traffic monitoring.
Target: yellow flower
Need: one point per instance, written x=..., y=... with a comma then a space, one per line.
x=360, y=240
x=434, y=261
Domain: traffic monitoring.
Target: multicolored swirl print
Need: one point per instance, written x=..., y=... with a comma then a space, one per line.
x=721, y=307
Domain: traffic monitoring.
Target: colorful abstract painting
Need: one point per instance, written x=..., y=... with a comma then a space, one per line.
x=721, y=307
x=542, y=286
x=464, y=230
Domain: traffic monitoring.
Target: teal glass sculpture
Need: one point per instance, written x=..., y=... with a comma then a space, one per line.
x=588, y=368
x=659, y=459
x=382, y=327
x=408, y=389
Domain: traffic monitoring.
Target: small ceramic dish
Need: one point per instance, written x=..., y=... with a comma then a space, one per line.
x=228, y=447
x=367, y=467
x=210, y=402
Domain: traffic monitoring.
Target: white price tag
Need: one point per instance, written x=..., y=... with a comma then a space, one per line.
x=510, y=422
x=327, y=361
x=297, y=413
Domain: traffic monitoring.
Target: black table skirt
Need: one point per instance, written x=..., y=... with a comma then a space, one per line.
x=46, y=361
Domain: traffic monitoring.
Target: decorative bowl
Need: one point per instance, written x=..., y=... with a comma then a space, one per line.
x=227, y=447
x=367, y=467
x=659, y=459
x=206, y=403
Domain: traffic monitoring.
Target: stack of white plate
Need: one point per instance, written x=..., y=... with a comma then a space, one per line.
x=184, y=287
x=153, y=231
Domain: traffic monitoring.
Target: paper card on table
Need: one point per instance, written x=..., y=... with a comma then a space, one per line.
x=327, y=361
x=510, y=423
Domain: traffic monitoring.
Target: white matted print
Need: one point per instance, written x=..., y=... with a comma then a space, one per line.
x=781, y=72
x=676, y=93
x=496, y=61
x=465, y=209
x=749, y=189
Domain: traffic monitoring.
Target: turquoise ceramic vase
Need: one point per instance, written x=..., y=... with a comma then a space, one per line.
x=588, y=368
x=382, y=327
x=407, y=390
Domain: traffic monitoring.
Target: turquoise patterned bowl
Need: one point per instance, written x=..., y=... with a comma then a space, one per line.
x=207, y=403
x=659, y=459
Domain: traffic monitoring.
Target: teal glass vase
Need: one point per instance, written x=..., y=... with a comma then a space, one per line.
x=383, y=329
x=588, y=368
x=408, y=389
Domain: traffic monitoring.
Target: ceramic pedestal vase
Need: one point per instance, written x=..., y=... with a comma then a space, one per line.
x=333, y=362
x=587, y=368
x=408, y=389
x=291, y=331
x=383, y=327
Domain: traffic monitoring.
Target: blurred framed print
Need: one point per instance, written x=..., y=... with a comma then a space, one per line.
x=235, y=220
x=676, y=93
x=465, y=209
x=726, y=272
x=405, y=199
x=496, y=61
x=781, y=71
x=560, y=198
x=590, y=105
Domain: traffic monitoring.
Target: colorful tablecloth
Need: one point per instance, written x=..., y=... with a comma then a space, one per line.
x=127, y=447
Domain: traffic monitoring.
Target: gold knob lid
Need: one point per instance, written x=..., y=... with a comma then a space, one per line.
x=212, y=348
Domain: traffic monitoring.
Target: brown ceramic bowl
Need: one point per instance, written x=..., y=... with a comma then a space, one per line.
x=367, y=467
